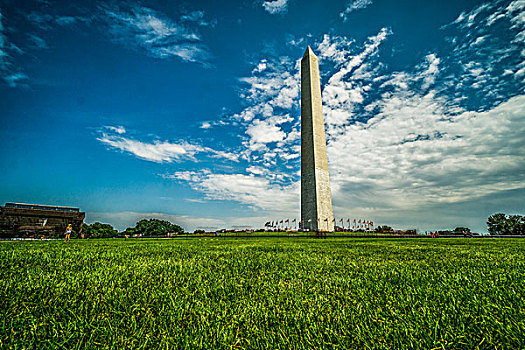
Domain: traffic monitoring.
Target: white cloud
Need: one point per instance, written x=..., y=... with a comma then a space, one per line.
x=343, y=92
x=38, y=42
x=413, y=153
x=260, y=67
x=429, y=75
x=65, y=20
x=14, y=79
x=354, y=5
x=481, y=52
x=257, y=170
x=160, y=36
x=516, y=12
x=252, y=190
x=37, y=23
x=117, y=129
x=334, y=48
x=135, y=26
x=9, y=72
x=467, y=19
x=276, y=6
x=158, y=151
x=355, y=61
x=198, y=18
x=271, y=93
x=222, y=154
x=265, y=131
x=479, y=40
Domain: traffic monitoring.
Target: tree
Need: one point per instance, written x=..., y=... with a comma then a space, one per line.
x=99, y=230
x=150, y=227
x=495, y=223
x=384, y=228
x=129, y=231
x=500, y=224
x=515, y=225
x=460, y=230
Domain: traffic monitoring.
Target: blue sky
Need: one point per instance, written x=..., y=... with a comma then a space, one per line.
x=190, y=111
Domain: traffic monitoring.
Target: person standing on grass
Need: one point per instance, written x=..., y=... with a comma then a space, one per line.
x=68, y=232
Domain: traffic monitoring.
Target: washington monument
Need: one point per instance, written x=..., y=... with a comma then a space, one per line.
x=316, y=199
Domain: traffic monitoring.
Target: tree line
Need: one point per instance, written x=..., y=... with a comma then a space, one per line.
x=501, y=224
x=498, y=224
x=144, y=228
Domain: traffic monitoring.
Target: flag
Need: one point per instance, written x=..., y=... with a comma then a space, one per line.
x=359, y=221
x=281, y=222
x=341, y=220
x=287, y=220
x=293, y=220
x=333, y=220
x=348, y=220
x=267, y=224
x=326, y=219
x=354, y=221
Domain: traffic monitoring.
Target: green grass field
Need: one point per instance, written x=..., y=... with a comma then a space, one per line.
x=263, y=293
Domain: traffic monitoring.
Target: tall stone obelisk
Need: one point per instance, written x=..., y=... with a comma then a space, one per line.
x=316, y=199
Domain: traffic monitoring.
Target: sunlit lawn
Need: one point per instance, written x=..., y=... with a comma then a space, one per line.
x=263, y=293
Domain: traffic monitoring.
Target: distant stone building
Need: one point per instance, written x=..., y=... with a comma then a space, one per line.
x=33, y=220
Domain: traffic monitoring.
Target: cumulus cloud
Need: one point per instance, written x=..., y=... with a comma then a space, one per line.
x=266, y=131
x=413, y=153
x=252, y=190
x=354, y=5
x=158, y=151
x=260, y=66
x=271, y=94
x=160, y=36
x=275, y=6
